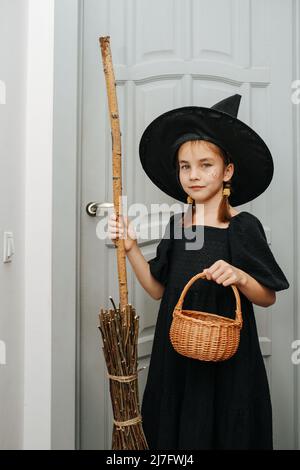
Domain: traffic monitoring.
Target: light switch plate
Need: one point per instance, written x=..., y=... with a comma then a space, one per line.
x=2, y=92
x=8, y=247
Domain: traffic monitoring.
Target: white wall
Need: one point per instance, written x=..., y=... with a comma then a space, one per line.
x=26, y=133
x=38, y=226
x=13, y=47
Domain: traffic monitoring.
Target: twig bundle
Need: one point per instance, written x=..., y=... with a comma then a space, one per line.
x=120, y=335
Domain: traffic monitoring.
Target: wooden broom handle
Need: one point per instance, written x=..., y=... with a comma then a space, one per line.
x=116, y=160
x=202, y=275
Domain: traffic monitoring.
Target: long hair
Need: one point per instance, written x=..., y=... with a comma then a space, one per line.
x=224, y=206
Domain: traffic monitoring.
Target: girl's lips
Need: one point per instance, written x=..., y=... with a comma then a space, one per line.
x=197, y=187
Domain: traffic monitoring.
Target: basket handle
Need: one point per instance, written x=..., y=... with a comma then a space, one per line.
x=238, y=311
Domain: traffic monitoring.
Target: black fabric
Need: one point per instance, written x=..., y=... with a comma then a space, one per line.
x=191, y=404
x=251, y=253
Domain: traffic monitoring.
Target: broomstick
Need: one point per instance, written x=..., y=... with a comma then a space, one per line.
x=120, y=327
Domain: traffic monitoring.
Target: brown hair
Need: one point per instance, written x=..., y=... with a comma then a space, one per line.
x=224, y=214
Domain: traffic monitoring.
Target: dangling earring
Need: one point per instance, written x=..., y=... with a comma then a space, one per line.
x=226, y=190
x=190, y=200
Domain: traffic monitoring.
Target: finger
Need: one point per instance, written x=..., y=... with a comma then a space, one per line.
x=223, y=277
x=114, y=231
x=113, y=225
x=229, y=273
x=214, y=266
x=218, y=265
x=119, y=220
x=231, y=280
x=217, y=274
x=209, y=274
x=209, y=271
x=220, y=271
x=114, y=219
x=123, y=219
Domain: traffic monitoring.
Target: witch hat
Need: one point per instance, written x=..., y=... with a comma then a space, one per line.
x=253, y=162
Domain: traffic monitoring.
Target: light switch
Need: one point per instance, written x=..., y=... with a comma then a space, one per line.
x=2, y=92
x=8, y=247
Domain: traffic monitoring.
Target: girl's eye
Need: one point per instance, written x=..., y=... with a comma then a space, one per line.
x=187, y=166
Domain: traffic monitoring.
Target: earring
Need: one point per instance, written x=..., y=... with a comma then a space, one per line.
x=190, y=200
x=226, y=191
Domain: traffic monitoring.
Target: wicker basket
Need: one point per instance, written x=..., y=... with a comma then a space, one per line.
x=202, y=335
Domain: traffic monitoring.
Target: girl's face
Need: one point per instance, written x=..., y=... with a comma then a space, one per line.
x=201, y=165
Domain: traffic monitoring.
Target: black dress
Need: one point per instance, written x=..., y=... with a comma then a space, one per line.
x=192, y=404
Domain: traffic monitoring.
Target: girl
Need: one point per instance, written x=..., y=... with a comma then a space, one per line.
x=210, y=157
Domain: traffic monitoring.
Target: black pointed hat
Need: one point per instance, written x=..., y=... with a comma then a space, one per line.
x=253, y=163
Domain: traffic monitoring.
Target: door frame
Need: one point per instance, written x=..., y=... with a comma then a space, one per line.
x=296, y=150
x=67, y=213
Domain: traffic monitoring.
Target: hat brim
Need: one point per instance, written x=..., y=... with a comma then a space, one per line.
x=253, y=162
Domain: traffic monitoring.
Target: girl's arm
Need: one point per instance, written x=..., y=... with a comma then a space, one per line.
x=254, y=291
x=124, y=229
x=142, y=271
x=226, y=274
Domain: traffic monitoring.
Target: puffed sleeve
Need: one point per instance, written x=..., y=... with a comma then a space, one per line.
x=160, y=264
x=251, y=253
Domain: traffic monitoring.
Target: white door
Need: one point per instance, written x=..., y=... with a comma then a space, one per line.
x=170, y=54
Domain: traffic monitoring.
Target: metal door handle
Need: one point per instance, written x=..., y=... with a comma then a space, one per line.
x=98, y=209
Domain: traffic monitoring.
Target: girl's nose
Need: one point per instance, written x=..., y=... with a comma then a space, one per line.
x=194, y=174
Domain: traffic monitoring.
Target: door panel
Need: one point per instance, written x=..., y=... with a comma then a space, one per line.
x=166, y=55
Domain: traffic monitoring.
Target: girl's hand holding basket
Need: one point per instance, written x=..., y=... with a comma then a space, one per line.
x=224, y=273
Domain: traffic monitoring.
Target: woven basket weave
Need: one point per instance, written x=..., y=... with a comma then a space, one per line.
x=202, y=335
